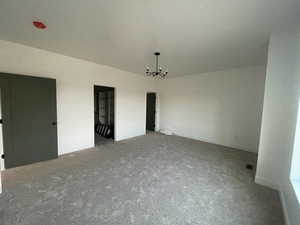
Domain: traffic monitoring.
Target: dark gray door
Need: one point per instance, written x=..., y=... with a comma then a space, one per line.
x=29, y=119
x=150, y=112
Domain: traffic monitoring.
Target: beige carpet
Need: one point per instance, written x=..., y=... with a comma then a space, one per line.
x=151, y=180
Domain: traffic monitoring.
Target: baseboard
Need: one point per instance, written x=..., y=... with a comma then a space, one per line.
x=284, y=208
x=76, y=150
x=266, y=182
x=210, y=141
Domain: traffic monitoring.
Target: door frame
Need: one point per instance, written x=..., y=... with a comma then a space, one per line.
x=5, y=101
x=2, y=167
x=115, y=110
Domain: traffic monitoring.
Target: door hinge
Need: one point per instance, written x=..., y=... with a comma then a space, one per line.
x=2, y=156
x=1, y=121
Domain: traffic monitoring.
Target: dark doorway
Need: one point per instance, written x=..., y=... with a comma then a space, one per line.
x=151, y=111
x=104, y=105
x=29, y=119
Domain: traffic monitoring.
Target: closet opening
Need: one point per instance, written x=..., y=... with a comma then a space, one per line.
x=104, y=108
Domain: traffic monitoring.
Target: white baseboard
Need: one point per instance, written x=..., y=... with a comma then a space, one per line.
x=266, y=182
x=284, y=208
x=211, y=141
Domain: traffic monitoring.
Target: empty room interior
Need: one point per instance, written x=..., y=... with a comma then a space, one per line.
x=161, y=112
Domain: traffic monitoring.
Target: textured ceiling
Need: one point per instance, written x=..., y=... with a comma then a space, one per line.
x=193, y=36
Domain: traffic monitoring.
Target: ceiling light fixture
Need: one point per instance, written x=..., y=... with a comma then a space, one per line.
x=39, y=25
x=158, y=70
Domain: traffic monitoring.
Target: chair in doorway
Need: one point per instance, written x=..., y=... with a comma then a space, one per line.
x=104, y=130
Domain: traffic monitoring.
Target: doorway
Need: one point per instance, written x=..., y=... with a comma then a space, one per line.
x=150, y=111
x=28, y=106
x=104, y=116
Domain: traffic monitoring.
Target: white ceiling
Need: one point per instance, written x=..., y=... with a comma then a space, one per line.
x=193, y=36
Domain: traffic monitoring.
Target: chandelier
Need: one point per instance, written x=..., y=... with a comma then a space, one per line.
x=158, y=70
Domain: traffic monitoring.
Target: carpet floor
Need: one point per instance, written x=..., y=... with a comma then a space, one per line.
x=148, y=180
x=102, y=140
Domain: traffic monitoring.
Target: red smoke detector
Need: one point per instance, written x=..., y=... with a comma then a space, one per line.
x=39, y=24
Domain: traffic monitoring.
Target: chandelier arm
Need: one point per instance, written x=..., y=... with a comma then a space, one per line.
x=158, y=73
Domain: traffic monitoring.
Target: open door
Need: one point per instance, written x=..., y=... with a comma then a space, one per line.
x=151, y=111
x=29, y=119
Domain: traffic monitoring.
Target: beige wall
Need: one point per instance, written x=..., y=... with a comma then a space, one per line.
x=219, y=107
x=280, y=112
x=75, y=80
